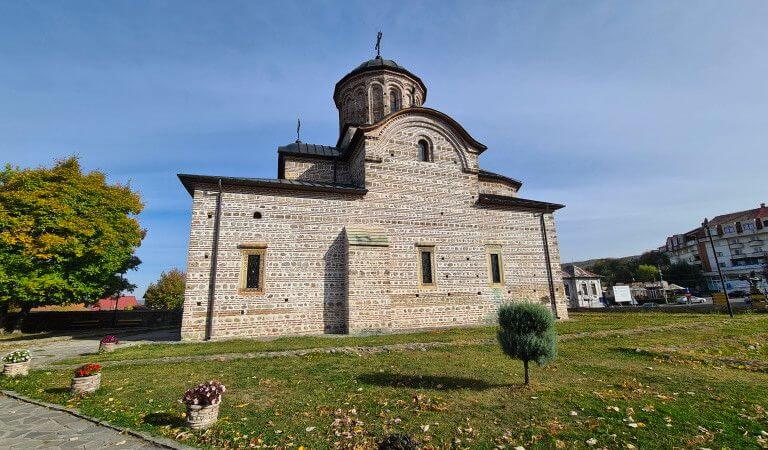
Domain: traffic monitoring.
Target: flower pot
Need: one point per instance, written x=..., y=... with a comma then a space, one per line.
x=86, y=385
x=107, y=347
x=201, y=417
x=16, y=369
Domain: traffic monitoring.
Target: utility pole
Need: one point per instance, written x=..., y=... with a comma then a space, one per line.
x=547, y=261
x=705, y=224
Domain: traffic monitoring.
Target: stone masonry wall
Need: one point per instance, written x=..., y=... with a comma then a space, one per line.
x=316, y=169
x=497, y=188
x=309, y=267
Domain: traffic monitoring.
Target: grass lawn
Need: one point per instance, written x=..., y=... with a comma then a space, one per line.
x=639, y=389
x=581, y=323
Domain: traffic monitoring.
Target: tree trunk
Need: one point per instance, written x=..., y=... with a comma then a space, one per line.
x=3, y=316
x=525, y=365
x=21, y=317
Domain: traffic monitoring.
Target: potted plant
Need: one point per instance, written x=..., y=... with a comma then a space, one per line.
x=202, y=403
x=87, y=379
x=108, y=344
x=16, y=363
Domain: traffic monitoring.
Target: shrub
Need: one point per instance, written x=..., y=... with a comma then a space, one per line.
x=111, y=339
x=527, y=332
x=17, y=357
x=87, y=370
x=398, y=441
x=204, y=394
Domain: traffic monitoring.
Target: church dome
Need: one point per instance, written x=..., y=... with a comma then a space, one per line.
x=374, y=89
x=377, y=63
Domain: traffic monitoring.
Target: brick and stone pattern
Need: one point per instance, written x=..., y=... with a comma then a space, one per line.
x=316, y=283
x=367, y=97
x=316, y=169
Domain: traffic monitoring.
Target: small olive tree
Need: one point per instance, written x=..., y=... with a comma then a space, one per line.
x=527, y=332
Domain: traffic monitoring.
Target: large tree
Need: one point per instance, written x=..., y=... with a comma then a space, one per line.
x=65, y=236
x=645, y=272
x=167, y=292
x=615, y=270
x=686, y=275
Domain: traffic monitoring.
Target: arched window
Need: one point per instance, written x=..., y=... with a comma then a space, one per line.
x=394, y=100
x=377, y=102
x=425, y=151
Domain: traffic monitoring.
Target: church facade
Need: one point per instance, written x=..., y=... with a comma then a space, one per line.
x=394, y=228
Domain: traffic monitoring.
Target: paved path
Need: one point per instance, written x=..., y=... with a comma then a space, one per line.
x=47, y=351
x=27, y=426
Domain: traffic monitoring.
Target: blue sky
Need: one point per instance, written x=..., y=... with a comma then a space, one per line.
x=642, y=117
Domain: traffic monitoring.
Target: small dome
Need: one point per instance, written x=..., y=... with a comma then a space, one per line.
x=379, y=63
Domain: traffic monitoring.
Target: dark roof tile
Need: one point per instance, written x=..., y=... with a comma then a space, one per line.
x=517, y=203
x=310, y=150
x=189, y=181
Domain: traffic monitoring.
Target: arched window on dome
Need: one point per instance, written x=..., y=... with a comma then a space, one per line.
x=425, y=151
x=377, y=102
x=395, y=102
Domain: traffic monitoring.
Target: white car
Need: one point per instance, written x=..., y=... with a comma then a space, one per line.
x=683, y=300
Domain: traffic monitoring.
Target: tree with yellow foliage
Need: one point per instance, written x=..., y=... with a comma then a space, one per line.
x=65, y=236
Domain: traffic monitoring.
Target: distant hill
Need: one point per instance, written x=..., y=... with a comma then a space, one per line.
x=588, y=263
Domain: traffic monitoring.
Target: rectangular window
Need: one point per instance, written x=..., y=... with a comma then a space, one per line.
x=427, y=266
x=495, y=268
x=252, y=270
x=495, y=265
x=594, y=289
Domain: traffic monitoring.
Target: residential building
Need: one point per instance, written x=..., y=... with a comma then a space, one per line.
x=582, y=287
x=395, y=227
x=741, y=246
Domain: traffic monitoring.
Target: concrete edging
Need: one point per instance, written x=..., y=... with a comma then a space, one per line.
x=159, y=441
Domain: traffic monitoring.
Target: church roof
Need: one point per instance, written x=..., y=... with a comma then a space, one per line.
x=379, y=63
x=189, y=181
x=517, y=203
x=496, y=176
x=315, y=150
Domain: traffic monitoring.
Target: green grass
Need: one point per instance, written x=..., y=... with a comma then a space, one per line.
x=468, y=395
x=580, y=323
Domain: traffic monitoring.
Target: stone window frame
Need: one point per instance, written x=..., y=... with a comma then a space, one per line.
x=246, y=250
x=421, y=248
x=495, y=250
x=430, y=157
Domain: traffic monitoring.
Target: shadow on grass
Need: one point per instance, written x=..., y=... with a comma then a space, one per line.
x=427, y=381
x=163, y=418
x=635, y=352
x=57, y=390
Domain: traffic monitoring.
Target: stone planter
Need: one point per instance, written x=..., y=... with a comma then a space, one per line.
x=86, y=385
x=201, y=417
x=18, y=369
x=108, y=347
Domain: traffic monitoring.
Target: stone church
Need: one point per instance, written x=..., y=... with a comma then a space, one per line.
x=395, y=227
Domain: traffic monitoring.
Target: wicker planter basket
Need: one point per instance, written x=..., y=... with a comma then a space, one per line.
x=107, y=347
x=86, y=385
x=16, y=369
x=201, y=417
